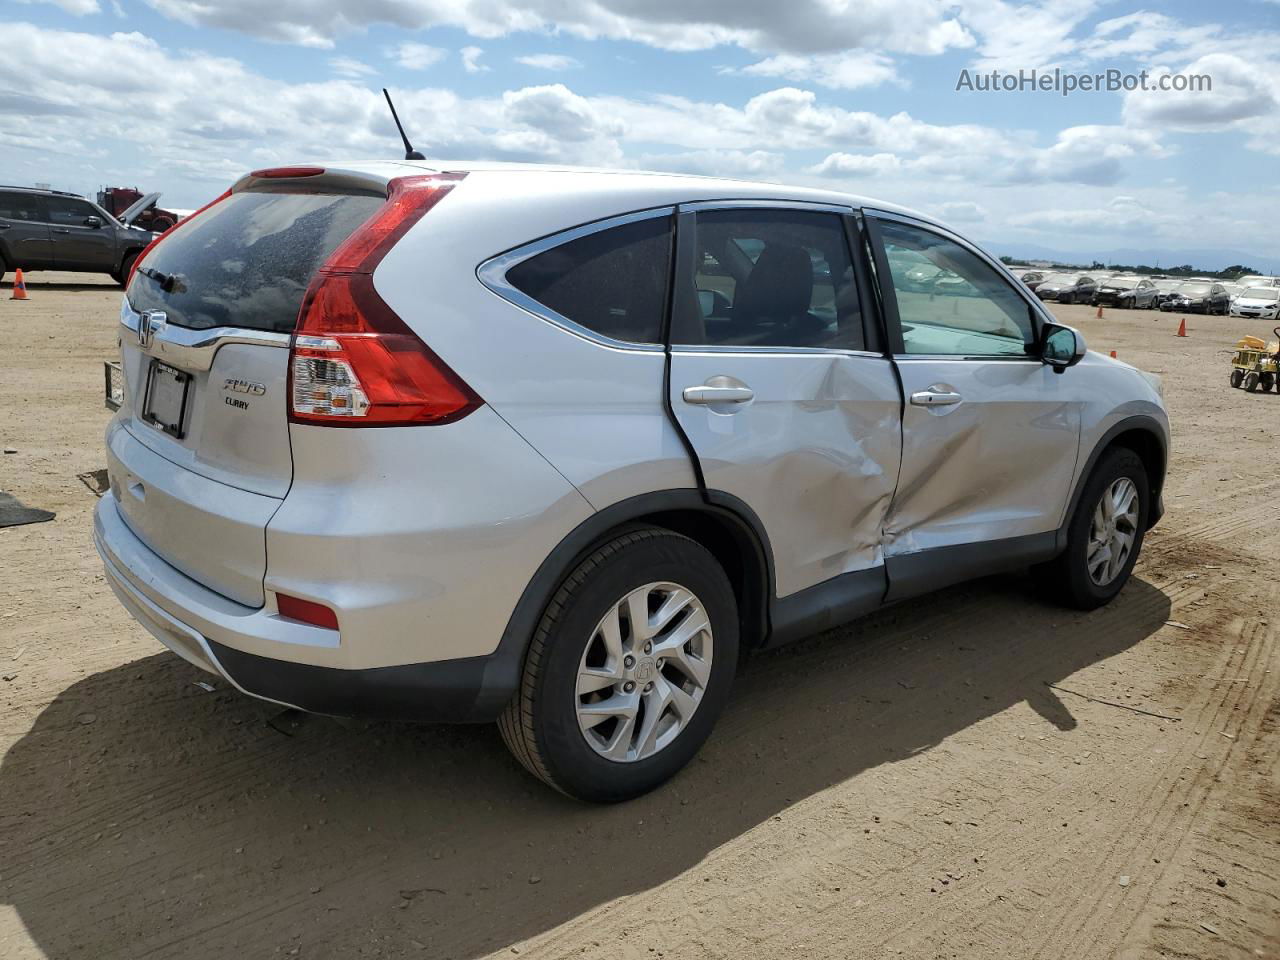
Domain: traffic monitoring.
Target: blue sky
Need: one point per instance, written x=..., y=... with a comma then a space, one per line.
x=184, y=95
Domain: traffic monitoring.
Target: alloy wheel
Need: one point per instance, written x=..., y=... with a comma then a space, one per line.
x=1112, y=531
x=644, y=672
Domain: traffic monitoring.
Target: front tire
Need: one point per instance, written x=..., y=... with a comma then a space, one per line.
x=1104, y=536
x=628, y=670
x=1251, y=382
x=1237, y=377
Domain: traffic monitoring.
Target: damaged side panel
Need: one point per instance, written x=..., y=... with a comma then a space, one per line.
x=815, y=452
x=996, y=465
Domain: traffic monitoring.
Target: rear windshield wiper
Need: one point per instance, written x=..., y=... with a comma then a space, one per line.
x=169, y=282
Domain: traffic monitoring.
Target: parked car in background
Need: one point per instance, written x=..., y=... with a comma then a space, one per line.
x=1255, y=280
x=1032, y=278
x=1261, y=302
x=1233, y=289
x=1197, y=296
x=329, y=488
x=1165, y=287
x=51, y=230
x=1067, y=288
x=1128, y=292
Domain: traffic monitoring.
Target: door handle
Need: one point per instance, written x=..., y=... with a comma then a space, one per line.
x=931, y=398
x=61, y=230
x=717, y=394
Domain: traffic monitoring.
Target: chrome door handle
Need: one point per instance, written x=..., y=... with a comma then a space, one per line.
x=930, y=398
x=705, y=394
x=60, y=230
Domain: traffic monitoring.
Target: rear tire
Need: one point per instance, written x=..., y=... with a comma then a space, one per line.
x=1237, y=377
x=1102, y=544
x=1251, y=382
x=1268, y=381
x=548, y=725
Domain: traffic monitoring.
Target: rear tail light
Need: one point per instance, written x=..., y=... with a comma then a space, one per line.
x=354, y=362
x=150, y=246
x=307, y=611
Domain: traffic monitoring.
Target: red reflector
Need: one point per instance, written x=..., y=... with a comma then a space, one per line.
x=316, y=614
x=148, y=248
x=273, y=172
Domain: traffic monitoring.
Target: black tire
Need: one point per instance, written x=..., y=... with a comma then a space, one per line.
x=126, y=267
x=1067, y=298
x=1237, y=377
x=1251, y=382
x=1066, y=579
x=540, y=725
x=1268, y=381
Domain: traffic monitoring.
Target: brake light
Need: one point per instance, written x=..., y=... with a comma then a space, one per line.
x=273, y=172
x=308, y=611
x=353, y=362
x=150, y=246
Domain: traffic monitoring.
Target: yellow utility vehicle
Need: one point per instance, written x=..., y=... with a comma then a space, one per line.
x=1256, y=364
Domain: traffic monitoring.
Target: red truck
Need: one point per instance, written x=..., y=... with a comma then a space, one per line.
x=117, y=200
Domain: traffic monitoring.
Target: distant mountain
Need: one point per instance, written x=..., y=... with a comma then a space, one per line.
x=1203, y=259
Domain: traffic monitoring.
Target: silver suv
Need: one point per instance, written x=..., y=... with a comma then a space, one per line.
x=553, y=447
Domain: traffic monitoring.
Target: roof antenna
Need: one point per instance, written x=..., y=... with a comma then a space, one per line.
x=409, y=152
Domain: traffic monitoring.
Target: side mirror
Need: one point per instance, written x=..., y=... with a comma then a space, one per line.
x=94, y=222
x=1061, y=347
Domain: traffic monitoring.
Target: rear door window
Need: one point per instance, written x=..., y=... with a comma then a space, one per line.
x=770, y=278
x=247, y=261
x=613, y=282
x=21, y=206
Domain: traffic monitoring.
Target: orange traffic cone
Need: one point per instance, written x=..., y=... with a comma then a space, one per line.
x=1113, y=355
x=1182, y=327
x=19, y=286
x=1098, y=315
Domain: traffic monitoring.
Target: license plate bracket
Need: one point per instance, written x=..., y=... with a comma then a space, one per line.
x=165, y=402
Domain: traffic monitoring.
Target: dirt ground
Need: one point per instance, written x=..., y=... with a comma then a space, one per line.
x=908, y=786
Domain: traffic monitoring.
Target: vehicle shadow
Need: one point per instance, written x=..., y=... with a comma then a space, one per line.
x=143, y=816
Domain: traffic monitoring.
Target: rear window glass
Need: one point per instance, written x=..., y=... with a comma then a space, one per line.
x=613, y=282
x=247, y=261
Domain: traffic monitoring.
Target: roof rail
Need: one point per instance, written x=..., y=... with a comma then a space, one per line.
x=61, y=193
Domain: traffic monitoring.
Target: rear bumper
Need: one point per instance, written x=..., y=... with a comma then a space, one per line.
x=208, y=630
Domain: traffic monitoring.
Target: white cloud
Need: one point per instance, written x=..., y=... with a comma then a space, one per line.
x=549, y=61
x=416, y=56
x=801, y=27
x=962, y=211
x=471, y=60
x=857, y=165
x=1241, y=91
x=350, y=67
x=79, y=8
x=845, y=71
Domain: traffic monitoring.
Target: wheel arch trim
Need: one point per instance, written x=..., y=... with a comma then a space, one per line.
x=1138, y=423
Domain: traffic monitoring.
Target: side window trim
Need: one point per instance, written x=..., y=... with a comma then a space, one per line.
x=492, y=273
x=889, y=298
x=685, y=267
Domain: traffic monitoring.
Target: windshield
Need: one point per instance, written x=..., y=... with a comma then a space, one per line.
x=1167, y=284
x=247, y=261
x=1194, y=289
x=1261, y=293
x=1066, y=278
x=1124, y=283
